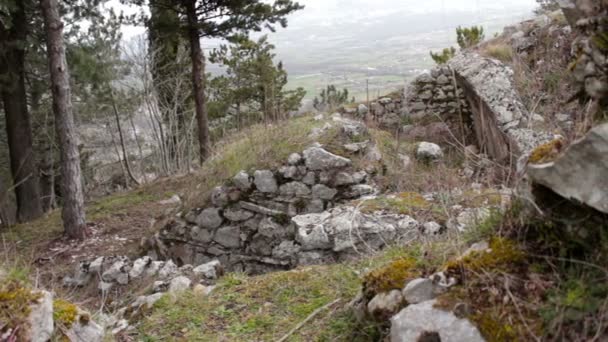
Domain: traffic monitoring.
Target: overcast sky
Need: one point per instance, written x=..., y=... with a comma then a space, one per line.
x=336, y=12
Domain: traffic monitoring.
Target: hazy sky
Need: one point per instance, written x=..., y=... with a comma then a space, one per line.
x=335, y=12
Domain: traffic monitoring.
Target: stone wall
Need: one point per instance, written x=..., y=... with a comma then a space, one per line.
x=265, y=220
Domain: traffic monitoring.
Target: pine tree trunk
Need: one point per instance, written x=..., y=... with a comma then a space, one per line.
x=18, y=127
x=196, y=54
x=73, y=214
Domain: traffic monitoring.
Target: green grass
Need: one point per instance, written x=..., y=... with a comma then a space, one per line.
x=265, y=307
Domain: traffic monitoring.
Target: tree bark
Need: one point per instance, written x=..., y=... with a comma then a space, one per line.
x=73, y=213
x=196, y=54
x=122, y=144
x=18, y=126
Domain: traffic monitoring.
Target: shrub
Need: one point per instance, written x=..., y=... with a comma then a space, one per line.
x=444, y=56
x=469, y=36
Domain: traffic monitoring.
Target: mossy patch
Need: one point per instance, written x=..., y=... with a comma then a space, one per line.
x=501, y=254
x=392, y=276
x=546, y=153
x=64, y=312
x=15, y=301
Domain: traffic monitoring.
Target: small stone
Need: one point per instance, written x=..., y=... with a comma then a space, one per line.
x=315, y=206
x=219, y=196
x=343, y=178
x=228, y=237
x=362, y=109
x=179, y=284
x=442, y=79
x=265, y=182
x=428, y=151
x=139, y=266
x=420, y=290
x=286, y=250
x=208, y=270
x=294, y=189
x=160, y=286
x=242, y=181
x=236, y=215
x=309, y=179
x=359, y=190
x=200, y=234
x=168, y=270
x=288, y=172
x=209, y=218
x=431, y=228
x=294, y=159
x=323, y=192
x=117, y=272
x=385, y=305
x=201, y=290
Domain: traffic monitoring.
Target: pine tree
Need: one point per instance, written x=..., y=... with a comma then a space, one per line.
x=73, y=207
x=13, y=36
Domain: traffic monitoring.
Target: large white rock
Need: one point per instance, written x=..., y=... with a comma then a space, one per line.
x=581, y=173
x=410, y=323
x=318, y=159
x=41, y=318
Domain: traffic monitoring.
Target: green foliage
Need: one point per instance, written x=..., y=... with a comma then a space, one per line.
x=444, y=56
x=331, y=98
x=469, y=36
x=252, y=82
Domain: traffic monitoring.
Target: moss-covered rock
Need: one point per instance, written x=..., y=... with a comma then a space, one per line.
x=546, y=152
x=392, y=276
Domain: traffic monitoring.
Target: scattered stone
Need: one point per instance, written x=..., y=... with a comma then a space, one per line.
x=385, y=305
x=210, y=270
x=362, y=109
x=219, y=196
x=83, y=330
x=420, y=290
x=160, y=286
x=242, y=181
x=118, y=272
x=139, y=266
x=431, y=228
x=260, y=209
x=428, y=151
x=265, y=182
x=209, y=218
x=417, y=319
x=343, y=178
x=319, y=159
x=179, y=284
x=169, y=269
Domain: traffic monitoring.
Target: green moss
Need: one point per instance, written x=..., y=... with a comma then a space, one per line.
x=546, y=153
x=64, y=312
x=494, y=329
x=389, y=277
x=503, y=253
x=15, y=301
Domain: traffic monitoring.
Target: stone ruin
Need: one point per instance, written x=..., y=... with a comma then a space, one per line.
x=278, y=219
x=472, y=99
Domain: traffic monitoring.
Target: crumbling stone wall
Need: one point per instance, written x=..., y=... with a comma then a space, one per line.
x=258, y=222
